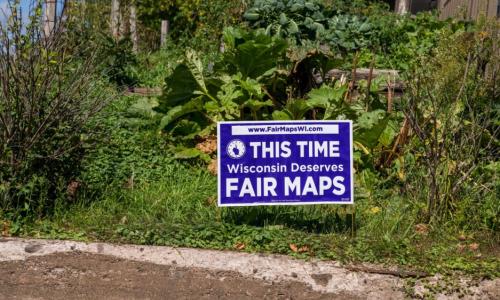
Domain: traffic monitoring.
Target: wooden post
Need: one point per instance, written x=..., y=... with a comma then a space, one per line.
x=222, y=47
x=402, y=6
x=123, y=24
x=49, y=20
x=133, y=28
x=115, y=15
x=164, y=32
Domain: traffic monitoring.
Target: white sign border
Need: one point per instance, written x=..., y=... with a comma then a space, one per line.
x=219, y=204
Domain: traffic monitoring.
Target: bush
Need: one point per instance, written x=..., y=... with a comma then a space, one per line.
x=47, y=96
x=451, y=104
x=197, y=24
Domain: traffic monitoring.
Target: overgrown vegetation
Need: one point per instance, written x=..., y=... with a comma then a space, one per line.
x=47, y=98
x=426, y=136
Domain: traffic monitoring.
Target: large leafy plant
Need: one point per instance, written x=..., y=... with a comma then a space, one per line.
x=297, y=19
x=349, y=33
x=255, y=80
x=374, y=127
x=195, y=99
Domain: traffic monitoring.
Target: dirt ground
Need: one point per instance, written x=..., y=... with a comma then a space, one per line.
x=54, y=269
x=79, y=275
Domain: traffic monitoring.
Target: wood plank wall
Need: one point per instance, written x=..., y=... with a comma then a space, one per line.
x=468, y=9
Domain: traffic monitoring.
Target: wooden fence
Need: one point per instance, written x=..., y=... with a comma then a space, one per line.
x=468, y=9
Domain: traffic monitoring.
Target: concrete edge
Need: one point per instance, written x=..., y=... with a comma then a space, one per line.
x=322, y=276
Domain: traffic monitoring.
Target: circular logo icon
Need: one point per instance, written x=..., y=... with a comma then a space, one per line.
x=236, y=149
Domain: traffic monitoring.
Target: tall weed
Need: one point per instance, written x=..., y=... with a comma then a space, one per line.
x=47, y=97
x=451, y=103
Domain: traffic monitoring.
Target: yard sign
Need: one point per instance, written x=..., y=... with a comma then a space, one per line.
x=284, y=163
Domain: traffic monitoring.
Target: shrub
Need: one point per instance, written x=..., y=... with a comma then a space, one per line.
x=296, y=18
x=194, y=23
x=451, y=103
x=47, y=96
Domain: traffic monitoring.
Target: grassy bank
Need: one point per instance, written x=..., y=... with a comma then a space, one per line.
x=133, y=191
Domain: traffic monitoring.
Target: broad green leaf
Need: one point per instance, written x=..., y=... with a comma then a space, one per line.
x=232, y=34
x=211, y=106
x=326, y=96
x=296, y=7
x=251, y=16
x=283, y=19
x=256, y=56
x=310, y=5
x=252, y=87
x=186, y=129
x=196, y=67
x=369, y=119
x=194, y=105
x=190, y=153
x=281, y=115
x=364, y=27
x=370, y=127
x=298, y=108
x=229, y=94
x=320, y=97
x=293, y=28
x=390, y=132
x=179, y=88
x=255, y=105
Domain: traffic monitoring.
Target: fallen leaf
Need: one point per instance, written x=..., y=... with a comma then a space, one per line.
x=422, y=229
x=303, y=249
x=208, y=146
x=5, y=228
x=294, y=248
x=211, y=200
x=212, y=167
x=473, y=246
x=129, y=184
x=239, y=246
x=72, y=188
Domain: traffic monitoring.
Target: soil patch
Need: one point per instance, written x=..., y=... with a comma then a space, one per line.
x=79, y=275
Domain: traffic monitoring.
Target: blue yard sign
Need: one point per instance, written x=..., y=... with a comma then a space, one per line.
x=285, y=163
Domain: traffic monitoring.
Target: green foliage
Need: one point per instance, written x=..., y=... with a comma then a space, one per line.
x=349, y=33
x=296, y=19
x=401, y=39
x=151, y=68
x=225, y=95
x=249, y=83
x=48, y=96
x=348, y=27
x=117, y=58
x=253, y=54
x=127, y=150
x=451, y=104
x=194, y=23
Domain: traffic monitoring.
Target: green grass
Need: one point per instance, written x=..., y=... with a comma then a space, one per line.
x=133, y=191
x=179, y=209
